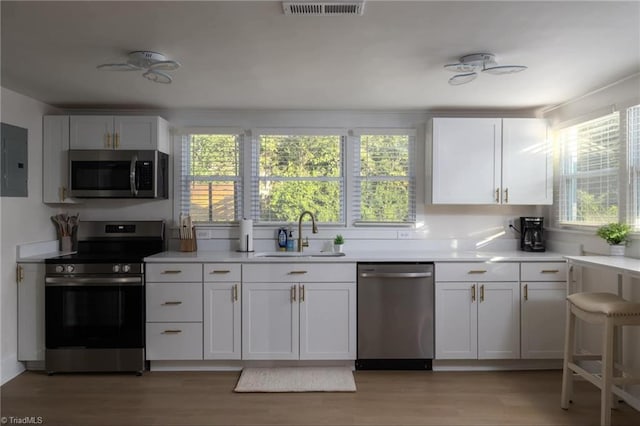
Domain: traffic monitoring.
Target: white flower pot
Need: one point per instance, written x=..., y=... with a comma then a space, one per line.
x=337, y=248
x=617, y=250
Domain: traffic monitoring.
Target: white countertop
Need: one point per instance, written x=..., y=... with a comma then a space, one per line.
x=620, y=264
x=358, y=256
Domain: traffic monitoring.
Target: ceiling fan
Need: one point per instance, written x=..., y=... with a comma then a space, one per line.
x=153, y=64
x=470, y=65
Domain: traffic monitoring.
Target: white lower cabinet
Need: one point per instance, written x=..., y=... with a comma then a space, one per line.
x=297, y=318
x=222, y=306
x=543, y=294
x=30, y=279
x=174, y=312
x=478, y=318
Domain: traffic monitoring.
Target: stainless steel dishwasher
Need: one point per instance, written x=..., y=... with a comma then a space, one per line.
x=395, y=316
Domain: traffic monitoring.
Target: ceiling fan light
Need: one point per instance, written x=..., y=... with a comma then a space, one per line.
x=165, y=65
x=459, y=79
x=460, y=67
x=157, y=76
x=504, y=69
x=118, y=67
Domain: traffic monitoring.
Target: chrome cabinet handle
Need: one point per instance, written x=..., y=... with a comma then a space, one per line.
x=171, y=271
x=526, y=292
x=172, y=302
x=395, y=274
x=482, y=293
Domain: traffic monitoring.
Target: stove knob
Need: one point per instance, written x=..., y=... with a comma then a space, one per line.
x=59, y=269
x=116, y=268
x=126, y=268
x=71, y=268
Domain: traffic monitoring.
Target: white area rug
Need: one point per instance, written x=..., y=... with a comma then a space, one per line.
x=296, y=379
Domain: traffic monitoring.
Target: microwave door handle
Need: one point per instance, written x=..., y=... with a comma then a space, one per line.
x=132, y=176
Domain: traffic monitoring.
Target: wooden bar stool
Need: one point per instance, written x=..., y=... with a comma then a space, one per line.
x=611, y=311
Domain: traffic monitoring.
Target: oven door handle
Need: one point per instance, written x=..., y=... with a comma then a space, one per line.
x=92, y=281
x=133, y=181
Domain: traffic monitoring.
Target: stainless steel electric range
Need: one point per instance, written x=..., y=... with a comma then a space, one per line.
x=95, y=299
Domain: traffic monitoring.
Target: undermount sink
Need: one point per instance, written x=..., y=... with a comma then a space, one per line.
x=298, y=254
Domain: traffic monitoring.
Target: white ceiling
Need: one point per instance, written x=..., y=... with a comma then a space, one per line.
x=249, y=55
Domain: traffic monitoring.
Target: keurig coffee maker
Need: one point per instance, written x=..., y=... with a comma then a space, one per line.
x=531, y=236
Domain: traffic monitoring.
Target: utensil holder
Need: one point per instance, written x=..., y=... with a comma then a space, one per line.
x=65, y=243
x=189, y=244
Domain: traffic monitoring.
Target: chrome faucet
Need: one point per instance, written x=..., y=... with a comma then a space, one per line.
x=314, y=229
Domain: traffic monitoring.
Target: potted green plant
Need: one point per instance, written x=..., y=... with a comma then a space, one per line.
x=616, y=235
x=338, y=243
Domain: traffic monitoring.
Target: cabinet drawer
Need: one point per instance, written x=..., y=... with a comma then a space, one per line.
x=170, y=302
x=221, y=272
x=300, y=272
x=174, y=341
x=543, y=271
x=174, y=272
x=475, y=271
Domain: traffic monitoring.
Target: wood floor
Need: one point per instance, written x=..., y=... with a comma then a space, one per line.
x=383, y=398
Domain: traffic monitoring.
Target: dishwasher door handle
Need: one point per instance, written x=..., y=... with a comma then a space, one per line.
x=396, y=274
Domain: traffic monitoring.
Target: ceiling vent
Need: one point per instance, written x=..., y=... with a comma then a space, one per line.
x=317, y=8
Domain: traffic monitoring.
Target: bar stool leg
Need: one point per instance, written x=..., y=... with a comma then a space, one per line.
x=569, y=343
x=607, y=372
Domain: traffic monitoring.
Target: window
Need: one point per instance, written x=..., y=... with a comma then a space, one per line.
x=589, y=172
x=297, y=172
x=211, y=184
x=633, y=141
x=384, y=178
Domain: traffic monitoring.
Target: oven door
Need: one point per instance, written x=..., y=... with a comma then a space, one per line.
x=92, y=312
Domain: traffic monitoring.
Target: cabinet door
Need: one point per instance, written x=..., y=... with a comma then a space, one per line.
x=222, y=320
x=499, y=321
x=30, y=311
x=136, y=132
x=327, y=320
x=527, y=168
x=55, y=155
x=270, y=323
x=456, y=320
x=91, y=132
x=543, y=319
x=466, y=160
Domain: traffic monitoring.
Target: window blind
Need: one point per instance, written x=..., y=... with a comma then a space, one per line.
x=297, y=172
x=633, y=141
x=589, y=175
x=384, y=179
x=211, y=184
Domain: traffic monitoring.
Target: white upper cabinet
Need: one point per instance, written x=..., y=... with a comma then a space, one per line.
x=119, y=132
x=55, y=155
x=491, y=161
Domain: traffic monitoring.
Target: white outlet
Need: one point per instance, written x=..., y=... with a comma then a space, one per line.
x=404, y=235
x=202, y=234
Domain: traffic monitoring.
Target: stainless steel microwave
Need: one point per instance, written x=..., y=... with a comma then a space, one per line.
x=118, y=174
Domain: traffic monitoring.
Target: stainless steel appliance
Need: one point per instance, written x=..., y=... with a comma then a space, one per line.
x=95, y=299
x=118, y=174
x=531, y=234
x=395, y=316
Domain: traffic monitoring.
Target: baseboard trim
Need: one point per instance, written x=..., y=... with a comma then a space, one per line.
x=10, y=368
x=497, y=365
x=239, y=365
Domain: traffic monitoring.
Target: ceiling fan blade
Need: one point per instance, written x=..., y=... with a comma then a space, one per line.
x=118, y=67
x=459, y=79
x=504, y=69
x=158, y=76
x=165, y=65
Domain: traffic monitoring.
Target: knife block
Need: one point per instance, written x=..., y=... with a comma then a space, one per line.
x=189, y=244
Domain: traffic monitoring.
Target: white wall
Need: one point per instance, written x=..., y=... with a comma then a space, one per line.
x=22, y=220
